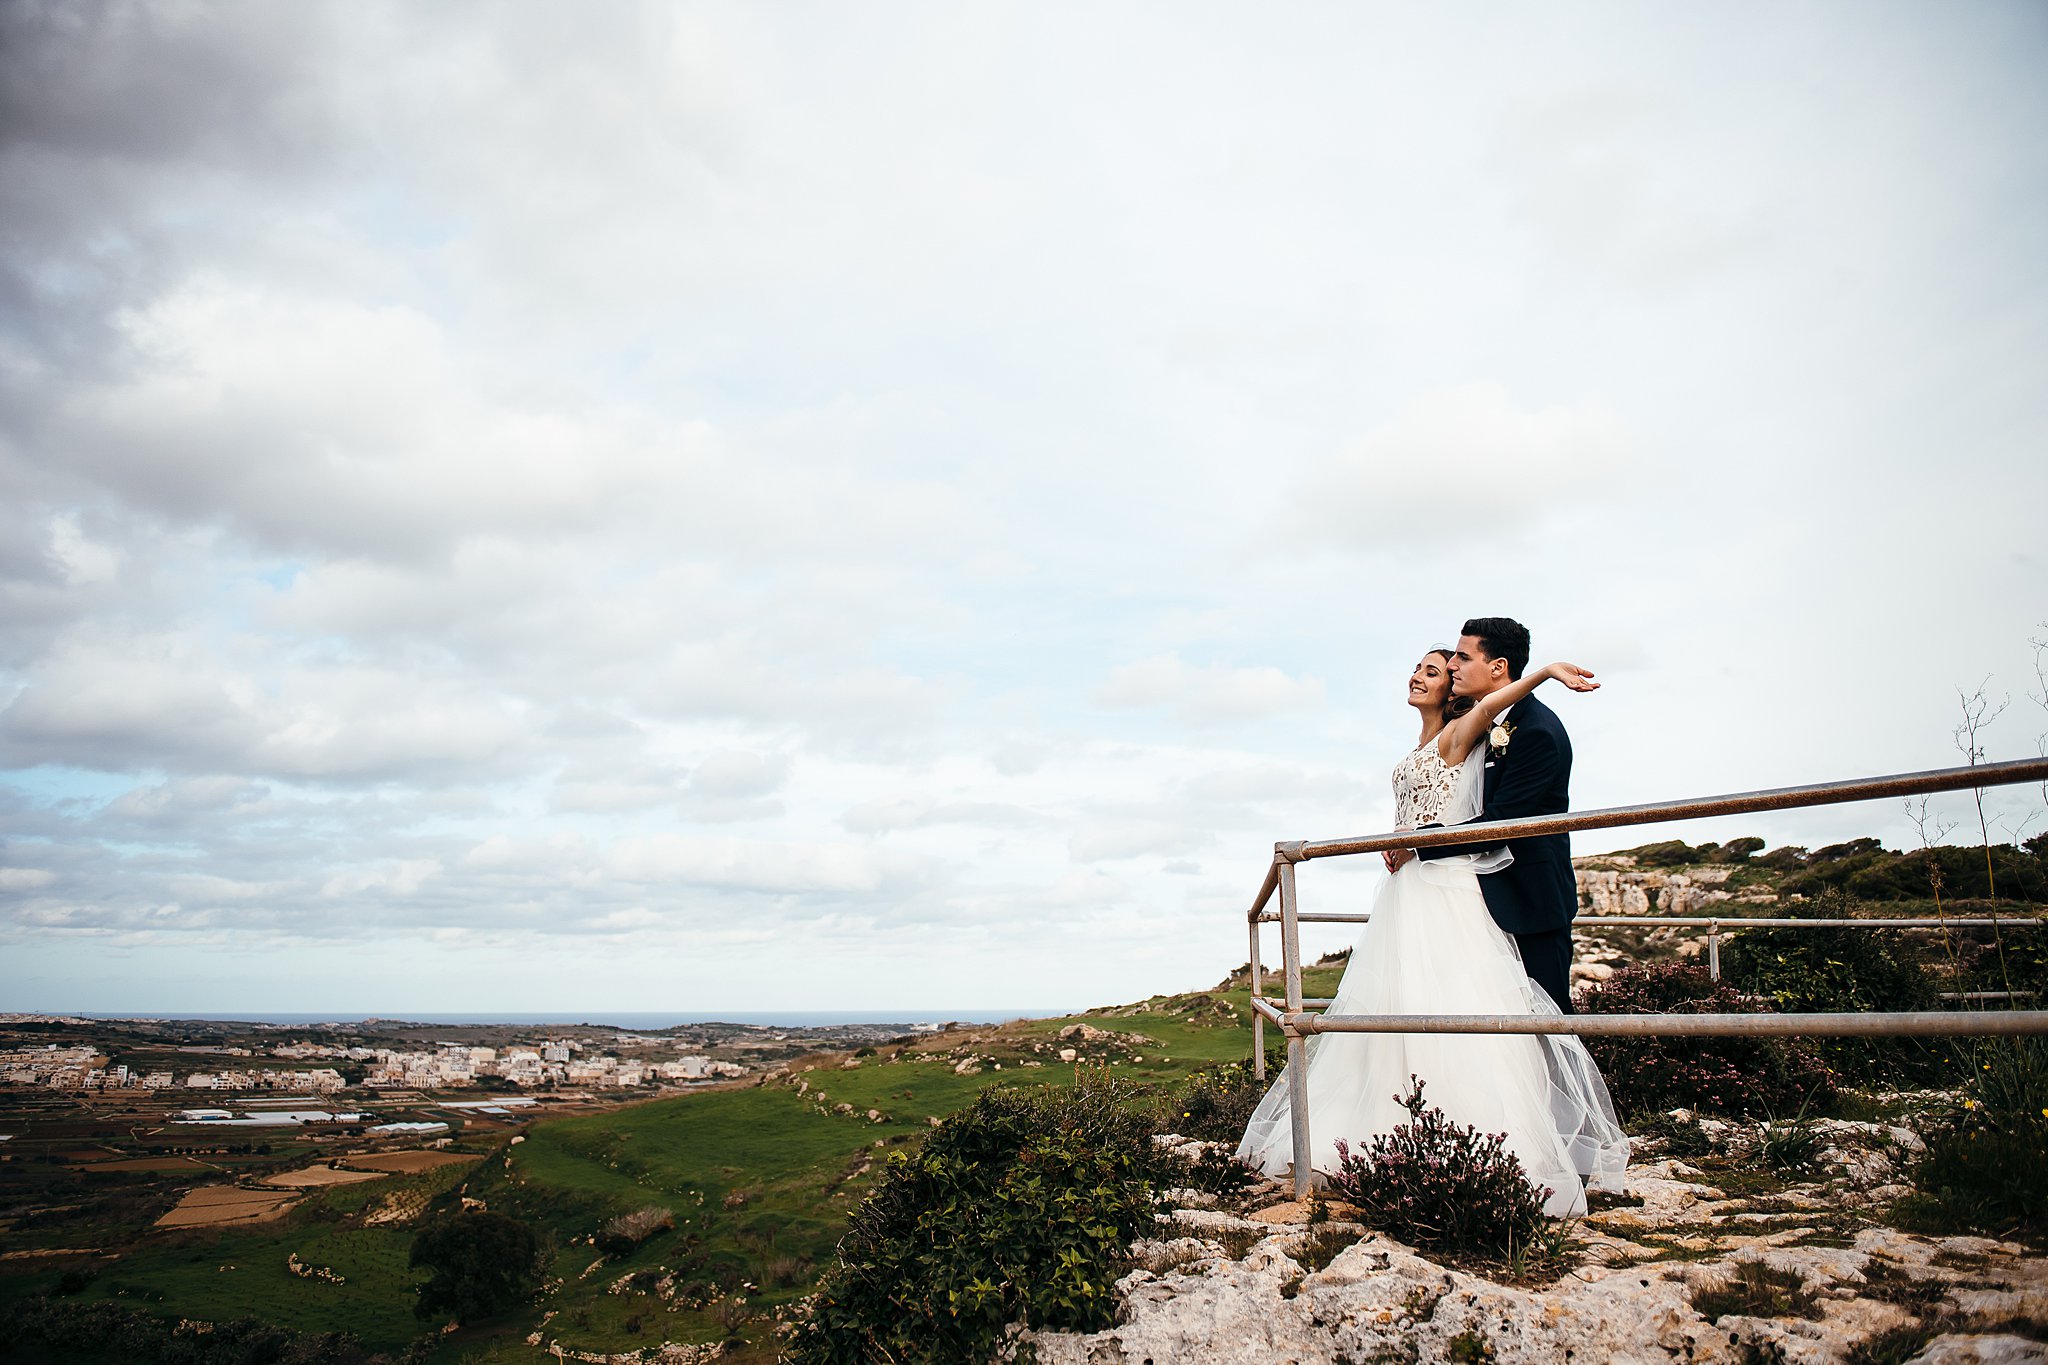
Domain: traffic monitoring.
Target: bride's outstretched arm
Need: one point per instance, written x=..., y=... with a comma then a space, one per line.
x=1461, y=734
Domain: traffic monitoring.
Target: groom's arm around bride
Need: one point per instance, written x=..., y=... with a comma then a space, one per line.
x=1528, y=772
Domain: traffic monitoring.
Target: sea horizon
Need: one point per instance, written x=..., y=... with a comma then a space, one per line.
x=634, y=1020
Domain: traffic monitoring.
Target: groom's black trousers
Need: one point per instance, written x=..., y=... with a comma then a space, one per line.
x=1547, y=957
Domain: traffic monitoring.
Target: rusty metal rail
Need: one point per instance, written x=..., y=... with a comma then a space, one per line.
x=1716, y=925
x=1298, y=1024
x=1917, y=1023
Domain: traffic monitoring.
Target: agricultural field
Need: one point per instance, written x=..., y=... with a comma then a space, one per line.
x=407, y=1163
x=219, y=1205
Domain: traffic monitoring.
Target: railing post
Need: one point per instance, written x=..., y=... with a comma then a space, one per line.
x=1714, y=950
x=1290, y=937
x=1258, y=1020
x=1297, y=1045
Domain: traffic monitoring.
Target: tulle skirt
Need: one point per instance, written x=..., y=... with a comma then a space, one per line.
x=1432, y=948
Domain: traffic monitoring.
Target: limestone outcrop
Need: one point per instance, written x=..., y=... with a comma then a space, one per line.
x=1678, y=1270
x=1608, y=890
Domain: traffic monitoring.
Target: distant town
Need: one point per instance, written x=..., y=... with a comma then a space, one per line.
x=386, y=1061
x=551, y=1062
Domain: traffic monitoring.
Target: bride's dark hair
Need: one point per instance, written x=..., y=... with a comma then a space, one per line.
x=1454, y=706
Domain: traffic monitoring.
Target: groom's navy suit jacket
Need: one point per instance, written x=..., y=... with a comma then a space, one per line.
x=1532, y=776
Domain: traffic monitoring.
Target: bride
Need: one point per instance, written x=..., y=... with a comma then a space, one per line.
x=1432, y=948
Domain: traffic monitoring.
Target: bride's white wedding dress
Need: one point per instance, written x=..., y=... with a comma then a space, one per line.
x=1432, y=948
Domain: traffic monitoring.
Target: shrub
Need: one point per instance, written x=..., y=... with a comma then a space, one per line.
x=1215, y=1170
x=1441, y=1186
x=1985, y=1168
x=2008, y=959
x=1215, y=1104
x=483, y=1263
x=1739, y=1076
x=622, y=1235
x=1682, y=1136
x=1848, y=970
x=783, y=1272
x=1756, y=1290
x=1866, y=870
x=74, y=1281
x=1788, y=1146
x=1020, y=1207
x=1672, y=853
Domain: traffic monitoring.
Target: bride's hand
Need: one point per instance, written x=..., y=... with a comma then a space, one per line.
x=1572, y=676
x=1394, y=857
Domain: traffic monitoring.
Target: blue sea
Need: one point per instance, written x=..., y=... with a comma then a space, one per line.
x=633, y=1020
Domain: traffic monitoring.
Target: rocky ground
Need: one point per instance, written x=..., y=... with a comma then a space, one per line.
x=1707, y=1258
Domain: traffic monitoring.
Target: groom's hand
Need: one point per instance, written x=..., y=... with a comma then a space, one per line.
x=1395, y=857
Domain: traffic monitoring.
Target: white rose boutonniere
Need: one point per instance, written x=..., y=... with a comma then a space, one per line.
x=1498, y=737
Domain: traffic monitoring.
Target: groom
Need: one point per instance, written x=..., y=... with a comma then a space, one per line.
x=1528, y=772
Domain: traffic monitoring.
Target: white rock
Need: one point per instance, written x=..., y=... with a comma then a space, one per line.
x=1957, y=1348
x=1379, y=1301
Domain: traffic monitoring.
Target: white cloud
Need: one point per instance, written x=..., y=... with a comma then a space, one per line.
x=170, y=700
x=402, y=877
x=1464, y=460
x=1132, y=839
x=755, y=865
x=739, y=773
x=914, y=812
x=899, y=505
x=1207, y=695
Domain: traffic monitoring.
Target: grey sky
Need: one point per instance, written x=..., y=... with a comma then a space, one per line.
x=703, y=506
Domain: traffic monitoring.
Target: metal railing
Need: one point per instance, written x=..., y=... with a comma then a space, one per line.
x=1298, y=1024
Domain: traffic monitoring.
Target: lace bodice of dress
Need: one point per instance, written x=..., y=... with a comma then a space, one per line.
x=1423, y=784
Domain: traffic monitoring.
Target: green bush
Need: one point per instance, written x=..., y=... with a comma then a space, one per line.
x=1802, y=971
x=1442, y=1186
x=1216, y=1171
x=482, y=1264
x=1678, y=853
x=1985, y=1168
x=1017, y=1209
x=1863, y=868
x=2013, y=958
x=1214, y=1104
x=1737, y=1076
x=1671, y=853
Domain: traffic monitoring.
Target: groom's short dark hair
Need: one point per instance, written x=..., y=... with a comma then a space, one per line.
x=1501, y=638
